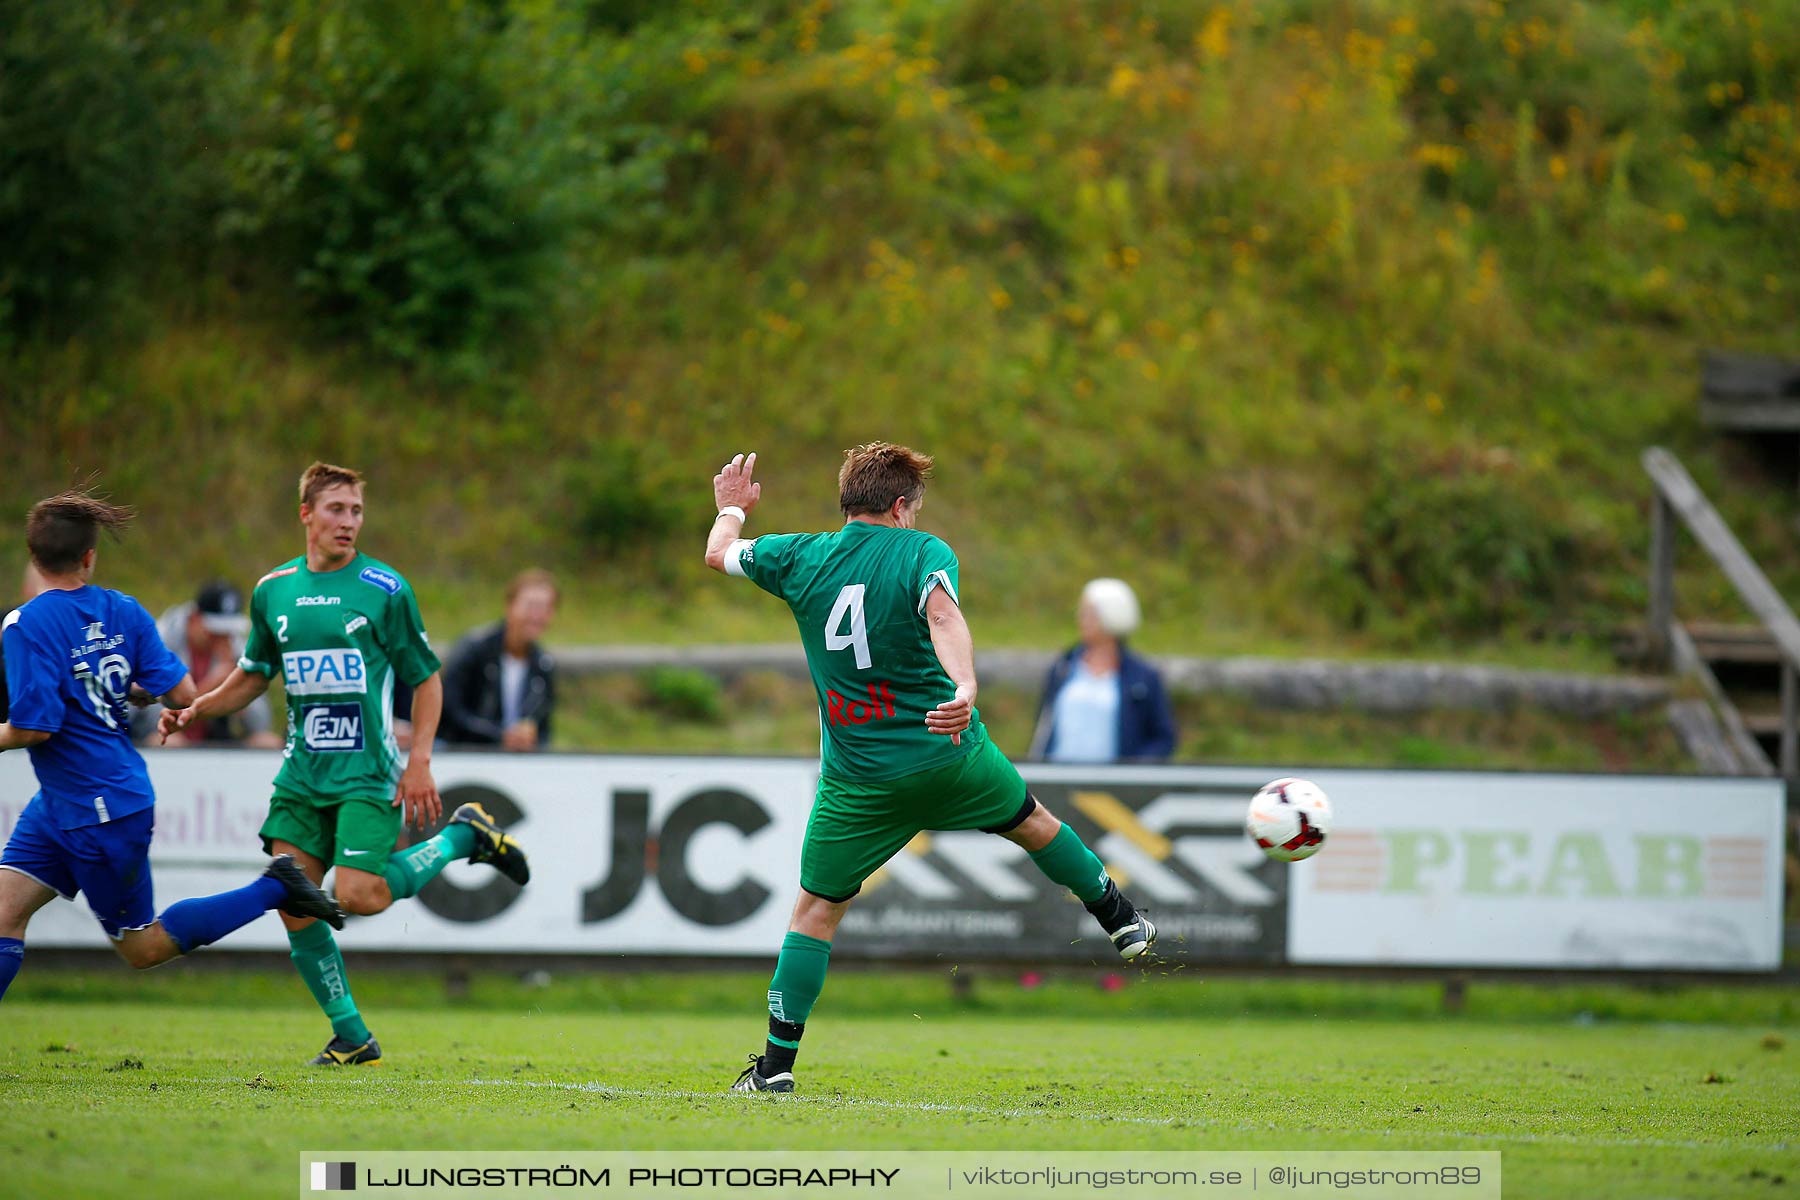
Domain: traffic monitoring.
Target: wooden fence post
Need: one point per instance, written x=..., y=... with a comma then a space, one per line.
x=1662, y=576
x=1790, y=719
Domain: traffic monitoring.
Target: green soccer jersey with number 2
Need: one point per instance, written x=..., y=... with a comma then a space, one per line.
x=338, y=638
x=858, y=595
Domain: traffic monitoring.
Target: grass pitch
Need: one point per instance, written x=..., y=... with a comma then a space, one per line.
x=166, y=1096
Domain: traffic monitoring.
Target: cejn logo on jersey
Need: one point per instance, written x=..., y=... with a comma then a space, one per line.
x=839, y=711
x=324, y=672
x=332, y=728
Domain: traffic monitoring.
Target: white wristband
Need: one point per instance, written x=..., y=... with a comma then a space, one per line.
x=732, y=510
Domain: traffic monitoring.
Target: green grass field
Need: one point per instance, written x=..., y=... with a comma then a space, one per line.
x=188, y=1084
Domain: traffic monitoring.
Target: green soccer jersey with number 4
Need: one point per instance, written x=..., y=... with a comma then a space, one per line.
x=338, y=639
x=858, y=595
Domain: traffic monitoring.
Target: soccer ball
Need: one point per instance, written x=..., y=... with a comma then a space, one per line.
x=1289, y=819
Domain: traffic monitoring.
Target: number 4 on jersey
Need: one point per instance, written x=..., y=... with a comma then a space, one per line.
x=849, y=607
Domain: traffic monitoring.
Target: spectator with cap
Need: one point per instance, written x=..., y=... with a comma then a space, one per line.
x=207, y=634
x=1101, y=702
x=499, y=684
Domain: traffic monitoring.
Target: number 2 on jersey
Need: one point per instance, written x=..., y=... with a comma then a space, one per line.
x=849, y=609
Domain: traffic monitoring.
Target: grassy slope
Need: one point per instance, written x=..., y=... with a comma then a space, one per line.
x=1597, y=1110
x=1196, y=300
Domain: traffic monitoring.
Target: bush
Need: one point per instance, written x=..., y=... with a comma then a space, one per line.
x=82, y=165
x=617, y=502
x=383, y=178
x=1467, y=544
x=684, y=694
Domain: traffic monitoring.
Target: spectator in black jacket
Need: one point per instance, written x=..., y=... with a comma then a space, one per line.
x=500, y=685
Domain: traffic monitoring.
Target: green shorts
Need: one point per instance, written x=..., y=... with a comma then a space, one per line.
x=356, y=833
x=856, y=825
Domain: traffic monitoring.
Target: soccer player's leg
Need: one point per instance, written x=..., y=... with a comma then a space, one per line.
x=111, y=866
x=992, y=783
x=469, y=834
x=33, y=872
x=308, y=832
x=187, y=925
x=847, y=839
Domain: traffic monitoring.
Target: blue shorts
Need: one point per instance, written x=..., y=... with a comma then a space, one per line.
x=109, y=864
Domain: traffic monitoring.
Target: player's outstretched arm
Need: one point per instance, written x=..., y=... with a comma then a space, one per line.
x=238, y=690
x=955, y=647
x=181, y=695
x=733, y=488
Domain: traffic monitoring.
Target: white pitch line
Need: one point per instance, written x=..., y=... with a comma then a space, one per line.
x=918, y=1106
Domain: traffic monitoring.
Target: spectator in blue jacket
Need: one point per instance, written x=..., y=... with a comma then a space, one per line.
x=1103, y=703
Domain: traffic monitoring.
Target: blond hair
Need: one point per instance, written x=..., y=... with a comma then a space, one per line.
x=322, y=476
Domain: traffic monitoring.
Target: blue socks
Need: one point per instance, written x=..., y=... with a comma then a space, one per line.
x=190, y=924
x=201, y=921
x=12, y=957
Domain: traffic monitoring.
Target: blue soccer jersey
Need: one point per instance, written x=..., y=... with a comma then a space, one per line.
x=71, y=658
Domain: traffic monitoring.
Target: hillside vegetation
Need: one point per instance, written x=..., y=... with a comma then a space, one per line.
x=1332, y=325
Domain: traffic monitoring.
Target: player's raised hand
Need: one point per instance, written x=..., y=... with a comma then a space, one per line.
x=952, y=717
x=417, y=794
x=173, y=721
x=734, y=485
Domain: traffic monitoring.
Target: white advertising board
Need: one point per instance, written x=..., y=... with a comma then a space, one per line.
x=1499, y=870
x=629, y=855
x=700, y=856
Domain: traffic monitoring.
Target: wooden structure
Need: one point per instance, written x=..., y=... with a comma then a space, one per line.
x=1750, y=393
x=1676, y=495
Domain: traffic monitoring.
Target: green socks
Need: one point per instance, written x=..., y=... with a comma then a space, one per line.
x=315, y=951
x=410, y=869
x=799, y=977
x=316, y=957
x=1068, y=861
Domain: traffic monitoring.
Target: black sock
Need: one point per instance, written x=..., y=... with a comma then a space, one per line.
x=784, y=1044
x=1112, y=910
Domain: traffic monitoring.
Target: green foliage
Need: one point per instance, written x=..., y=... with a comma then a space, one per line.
x=1219, y=297
x=619, y=499
x=1463, y=545
x=378, y=177
x=684, y=694
x=82, y=161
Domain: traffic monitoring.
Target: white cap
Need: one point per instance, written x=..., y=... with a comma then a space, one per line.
x=1115, y=604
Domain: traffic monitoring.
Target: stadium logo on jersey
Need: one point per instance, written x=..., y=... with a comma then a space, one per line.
x=384, y=580
x=333, y=728
x=354, y=623
x=839, y=711
x=316, y=601
x=324, y=672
